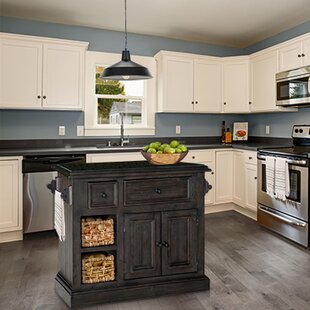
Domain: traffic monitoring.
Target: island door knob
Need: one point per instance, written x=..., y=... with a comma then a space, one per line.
x=158, y=191
x=165, y=244
x=103, y=195
x=158, y=244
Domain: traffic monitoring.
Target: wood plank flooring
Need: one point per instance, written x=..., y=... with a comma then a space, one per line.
x=249, y=268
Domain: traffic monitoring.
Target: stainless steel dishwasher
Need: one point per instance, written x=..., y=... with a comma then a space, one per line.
x=38, y=199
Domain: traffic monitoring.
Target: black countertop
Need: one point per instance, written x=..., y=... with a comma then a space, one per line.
x=87, y=146
x=121, y=167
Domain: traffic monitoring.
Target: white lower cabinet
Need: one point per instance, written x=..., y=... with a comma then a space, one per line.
x=206, y=157
x=245, y=179
x=223, y=176
x=10, y=199
x=251, y=187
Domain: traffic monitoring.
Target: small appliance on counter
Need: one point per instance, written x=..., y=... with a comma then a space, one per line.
x=240, y=132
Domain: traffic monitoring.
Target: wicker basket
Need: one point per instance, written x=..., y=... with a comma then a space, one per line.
x=97, y=232
x=98, y=268
x=163, y=159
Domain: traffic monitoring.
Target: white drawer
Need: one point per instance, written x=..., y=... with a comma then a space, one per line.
x=250, y=157
x=199, y=156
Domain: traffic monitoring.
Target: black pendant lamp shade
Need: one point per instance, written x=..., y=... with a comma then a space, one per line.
x=125, y=69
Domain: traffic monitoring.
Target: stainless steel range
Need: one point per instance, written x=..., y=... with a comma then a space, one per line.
x=289, y=214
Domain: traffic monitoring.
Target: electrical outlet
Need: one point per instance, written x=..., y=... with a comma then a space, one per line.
x=267, y=129
x=80, y=131
x=61, y=130
x=178, y=129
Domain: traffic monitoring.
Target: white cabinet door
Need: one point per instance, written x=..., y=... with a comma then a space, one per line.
x=306, y=52
x=264, y=67
x=10, y=194
x=63, y=77
x=207, y=85
x=290, y=56
x=20, y=74
x=223, y=176
x=236, y=85
x=251, y=187
x=113, y=157
x=178, y=84
x=239, y=178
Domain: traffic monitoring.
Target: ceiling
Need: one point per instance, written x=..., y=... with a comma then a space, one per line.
x=235, y=23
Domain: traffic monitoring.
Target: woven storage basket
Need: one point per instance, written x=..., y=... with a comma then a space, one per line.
x=97, y=232
x=163, y=159
x=98, y=268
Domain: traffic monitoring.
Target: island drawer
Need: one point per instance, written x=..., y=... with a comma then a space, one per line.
x=102, y=194
x=150, y=191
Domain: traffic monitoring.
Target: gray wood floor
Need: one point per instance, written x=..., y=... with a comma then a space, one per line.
x=249, y=268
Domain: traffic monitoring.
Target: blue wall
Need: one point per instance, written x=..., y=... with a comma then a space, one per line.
x=20, y=124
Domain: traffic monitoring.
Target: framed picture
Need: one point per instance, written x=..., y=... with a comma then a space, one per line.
x=240, y=132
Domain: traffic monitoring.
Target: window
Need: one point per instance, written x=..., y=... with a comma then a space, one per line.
x=108, y=102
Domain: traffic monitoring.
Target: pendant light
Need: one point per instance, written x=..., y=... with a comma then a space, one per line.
x=125, y=69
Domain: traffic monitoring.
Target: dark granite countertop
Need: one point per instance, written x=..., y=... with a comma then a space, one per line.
x=95, y=168
x=87, y=146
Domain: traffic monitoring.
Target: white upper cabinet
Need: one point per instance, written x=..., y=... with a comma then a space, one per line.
x=295, y=54
x=208, y=85
x=41, y=73
x=187, y=83
x=264, y=66
x=236, y=84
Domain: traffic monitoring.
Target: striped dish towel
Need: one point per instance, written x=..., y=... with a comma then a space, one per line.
x=270, y=175
x=282, y=179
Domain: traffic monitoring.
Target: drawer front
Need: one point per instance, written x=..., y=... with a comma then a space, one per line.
x=152, y=191
x=199, y=156
x=250, y=157
x=102, y=194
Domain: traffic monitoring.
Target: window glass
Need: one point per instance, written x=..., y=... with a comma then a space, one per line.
x=118, y=100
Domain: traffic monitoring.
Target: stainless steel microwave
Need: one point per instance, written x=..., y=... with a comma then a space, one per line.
x=293, y=87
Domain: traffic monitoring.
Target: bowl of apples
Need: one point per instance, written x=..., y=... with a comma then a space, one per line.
x=158, y=153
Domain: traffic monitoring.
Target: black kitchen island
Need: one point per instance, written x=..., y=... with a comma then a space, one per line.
x=132, y=230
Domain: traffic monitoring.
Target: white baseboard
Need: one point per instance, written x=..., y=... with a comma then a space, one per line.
x=230, y=206
x=11, y=236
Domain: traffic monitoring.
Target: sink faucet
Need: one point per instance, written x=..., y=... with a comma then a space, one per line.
x=123, y=140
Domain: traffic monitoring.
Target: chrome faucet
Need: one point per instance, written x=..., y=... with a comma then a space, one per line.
x=123, y=140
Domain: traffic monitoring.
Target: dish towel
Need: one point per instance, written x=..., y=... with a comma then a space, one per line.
x=59, y=216
x=282, y=179
x=270, y=175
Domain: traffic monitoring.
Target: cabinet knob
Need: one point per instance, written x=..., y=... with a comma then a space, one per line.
x=44, y=97
x=193, y=157
x=38, y=96
x=196, y=102
x=250, y=102
x=303, y=55
x=299, y=55
x=255, y=178
x=158, y=244
x=250, y=158
x=192, y=102
x=212, y=172
x=103, y=195
x=224, y=103
x=165, y=244
x=158, y=191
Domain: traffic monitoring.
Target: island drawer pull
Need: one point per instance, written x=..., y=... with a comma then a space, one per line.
x=158, y=191
x=103, y=195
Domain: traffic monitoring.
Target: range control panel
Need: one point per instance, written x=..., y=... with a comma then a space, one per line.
x=301, y=131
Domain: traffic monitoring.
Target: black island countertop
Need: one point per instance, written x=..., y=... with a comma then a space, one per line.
x=131, y=166
x=88, y=146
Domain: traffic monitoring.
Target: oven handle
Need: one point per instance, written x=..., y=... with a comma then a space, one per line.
x=289, y=161
x=284, y=219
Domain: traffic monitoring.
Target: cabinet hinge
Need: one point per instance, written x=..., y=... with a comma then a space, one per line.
x=66, y=195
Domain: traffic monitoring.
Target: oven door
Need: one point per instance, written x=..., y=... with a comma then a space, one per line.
x=297, y=203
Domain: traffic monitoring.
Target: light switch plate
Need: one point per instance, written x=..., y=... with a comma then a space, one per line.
x=61, y=130
x=80, y=131
x=267, y=129
x=178, y=129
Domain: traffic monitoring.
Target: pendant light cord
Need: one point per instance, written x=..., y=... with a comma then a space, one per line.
x=125, y=24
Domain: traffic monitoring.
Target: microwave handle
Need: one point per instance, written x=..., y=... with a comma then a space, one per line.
x=289, y=161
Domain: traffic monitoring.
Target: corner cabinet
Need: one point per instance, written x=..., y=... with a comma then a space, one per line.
x=10, y=199
x=187, y=83
x=52, y=72
x=236, y=84
x=158, y=231
x=295, y=53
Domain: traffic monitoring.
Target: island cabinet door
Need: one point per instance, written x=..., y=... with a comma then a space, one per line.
x=180, y=241
x=141, y=250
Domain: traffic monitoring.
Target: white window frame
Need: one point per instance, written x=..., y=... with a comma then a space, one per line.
x=147, y=127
